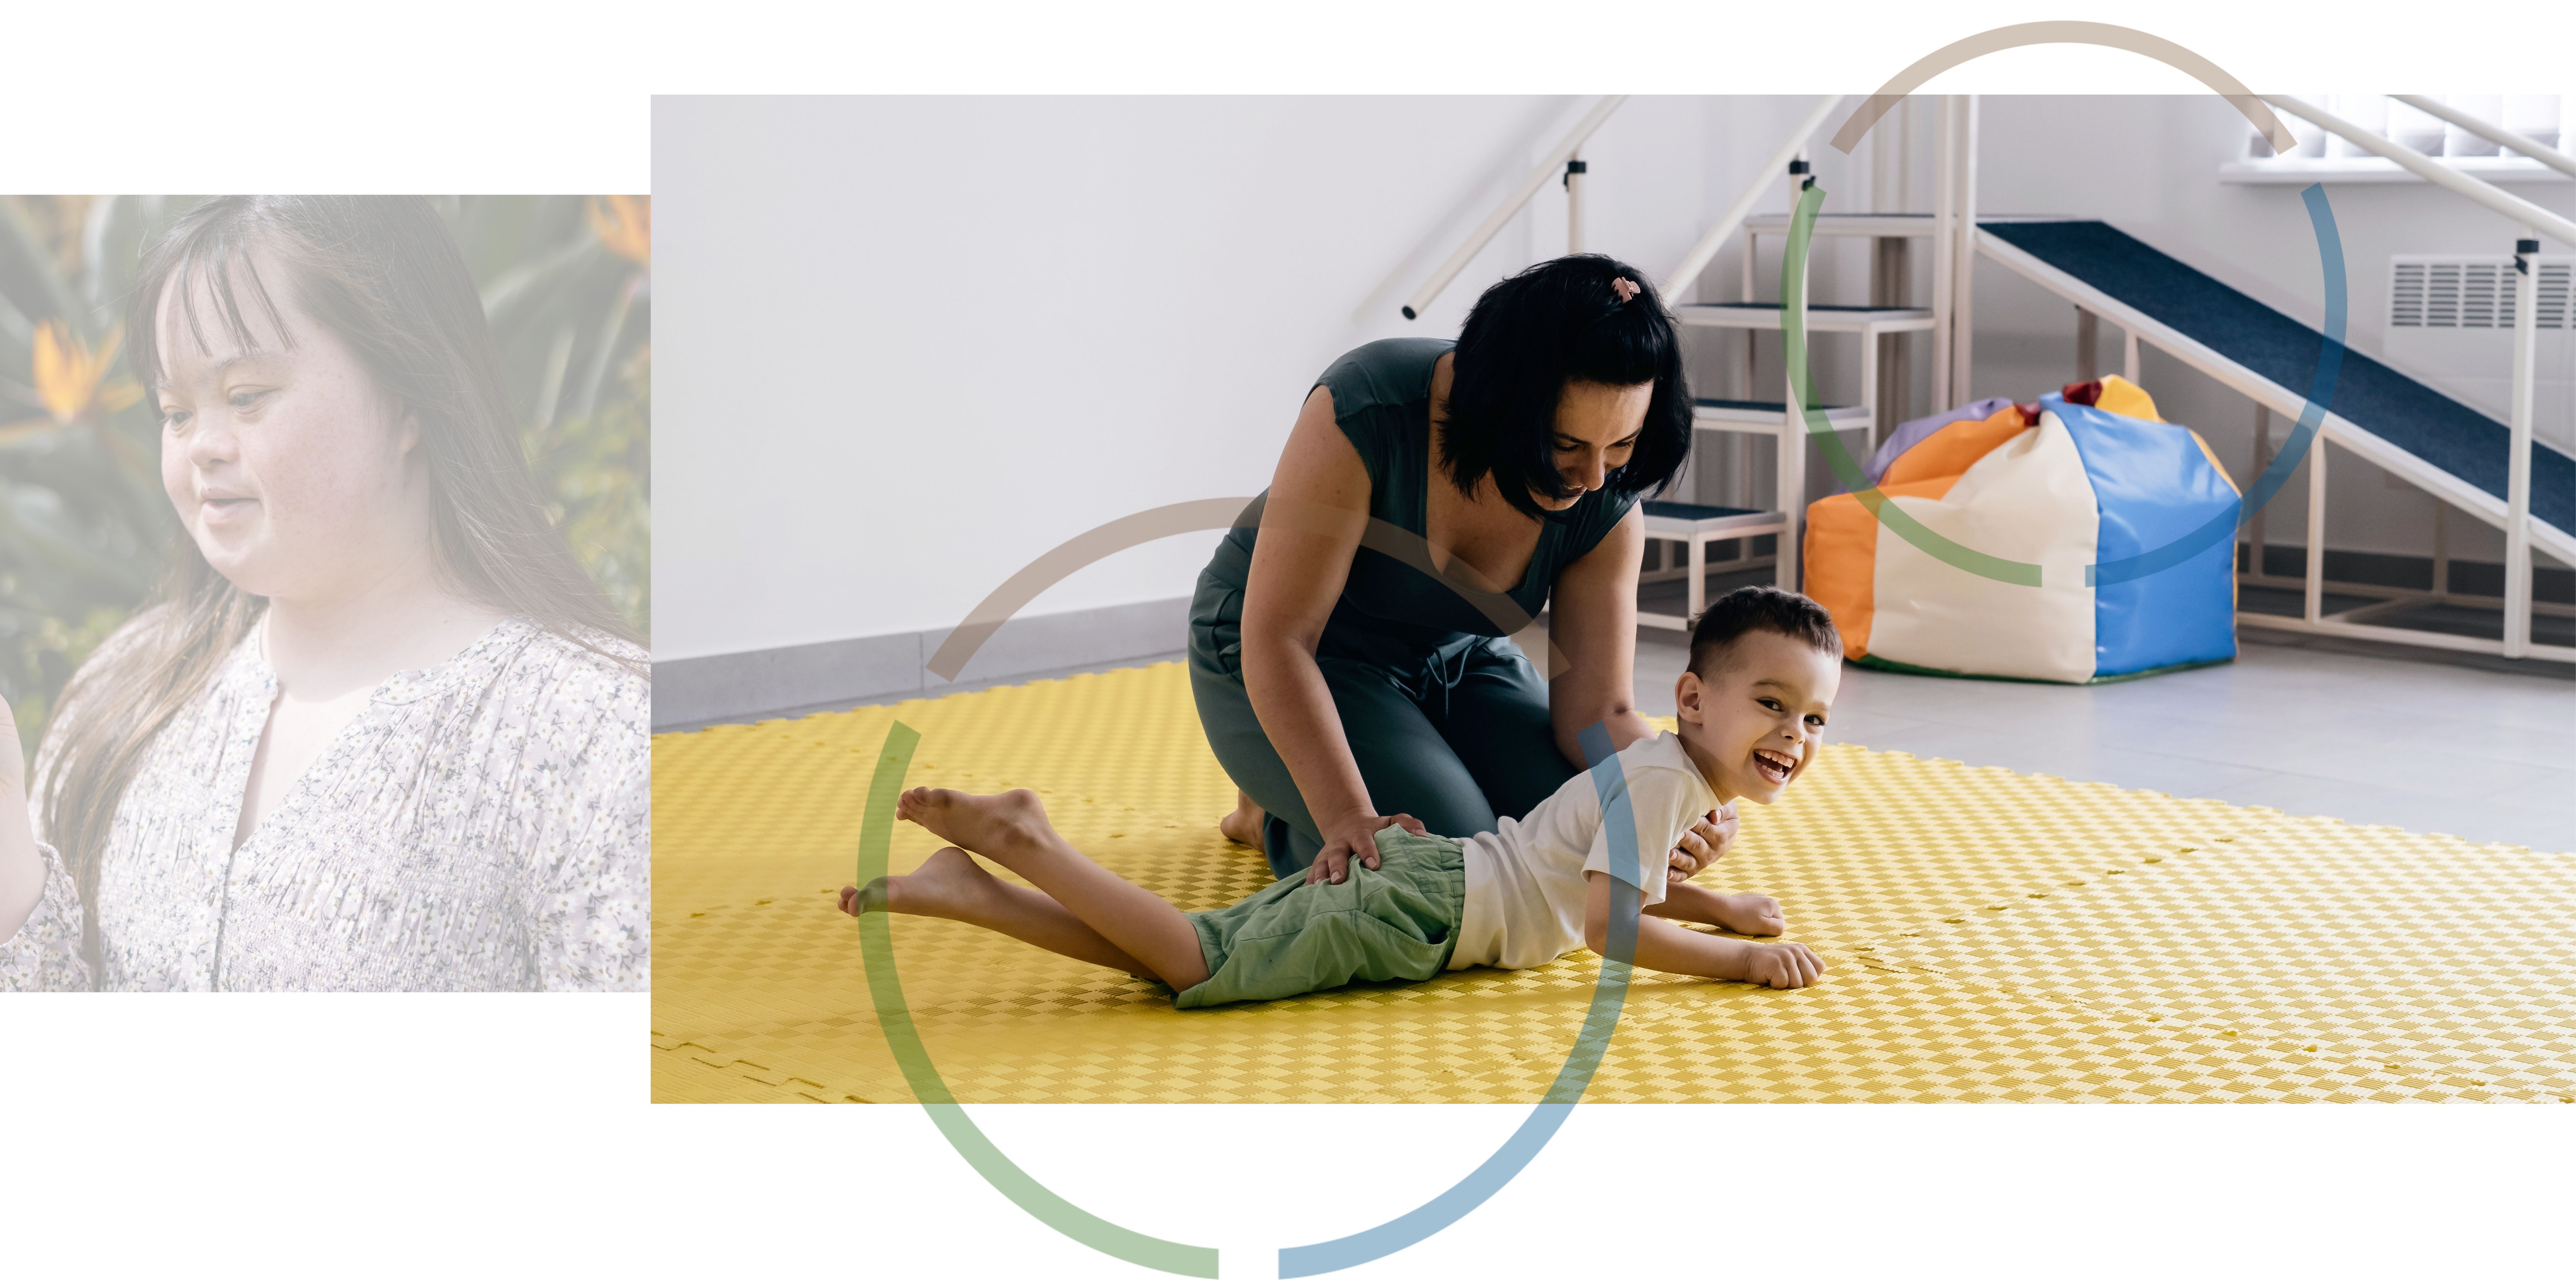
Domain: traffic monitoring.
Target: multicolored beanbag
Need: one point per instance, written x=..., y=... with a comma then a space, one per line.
x=2131, y=521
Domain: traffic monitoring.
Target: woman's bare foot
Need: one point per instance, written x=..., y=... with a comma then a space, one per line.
x=1243, y=826
x=947, y=884
x=993, y=826
x=1750, y=914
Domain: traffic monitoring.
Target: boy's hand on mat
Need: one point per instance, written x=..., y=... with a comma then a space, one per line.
x=1782, y=965
x=1355, y=837
x=1705, y=843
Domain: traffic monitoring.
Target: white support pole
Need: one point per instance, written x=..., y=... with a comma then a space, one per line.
x=1905, y=154
x=1574, y=173
x=1792, y=471
x=1963, y=262
x=1750, y=240
x=2517, y=532
x=1945, y=246
x=1791, y=484
x=2441, y=549
x=2129, y=357
x=2262, y=462
x=1698, y=599
x=1869, y=388
x=2316, y=581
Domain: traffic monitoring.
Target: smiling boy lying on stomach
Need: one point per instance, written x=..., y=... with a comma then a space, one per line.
x=1764, y=665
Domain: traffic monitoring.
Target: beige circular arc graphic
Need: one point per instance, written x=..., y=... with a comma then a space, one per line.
x=1227, y=512
x=1415, y=551
x=2104, y=34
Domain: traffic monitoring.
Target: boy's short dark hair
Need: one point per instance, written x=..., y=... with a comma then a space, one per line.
x=1759, y=608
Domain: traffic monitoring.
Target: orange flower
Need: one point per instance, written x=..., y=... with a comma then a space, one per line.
x=624, y=225
x=71, y=382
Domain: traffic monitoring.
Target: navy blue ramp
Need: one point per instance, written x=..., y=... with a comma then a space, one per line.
x=2458, y=440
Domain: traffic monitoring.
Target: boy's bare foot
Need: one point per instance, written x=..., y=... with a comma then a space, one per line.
x=947, y=884
x=867, y=898
x=1750, y=914
x=993, y=826
x=1243, y=826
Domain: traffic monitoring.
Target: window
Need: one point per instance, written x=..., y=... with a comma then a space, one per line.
x=2543, y=118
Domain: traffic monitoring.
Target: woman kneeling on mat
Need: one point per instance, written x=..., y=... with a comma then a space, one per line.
x=1764, y=665
x=1344, y=688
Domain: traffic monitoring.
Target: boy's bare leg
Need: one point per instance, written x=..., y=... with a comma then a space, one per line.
x=1012, y=829
x=1745, y=914
x=950, y=885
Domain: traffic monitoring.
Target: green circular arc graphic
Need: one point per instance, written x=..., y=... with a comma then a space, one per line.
x=2219, y=526
x=1591, y=1043
x=1793, y=339
x=876, y=939
x=1071, y=1220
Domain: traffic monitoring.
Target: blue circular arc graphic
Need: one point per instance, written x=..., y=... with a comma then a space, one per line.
x=1600, y=1020
x=2220, y=526
x=1609, y=995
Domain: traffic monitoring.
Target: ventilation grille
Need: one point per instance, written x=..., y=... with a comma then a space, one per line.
x=2475, y=291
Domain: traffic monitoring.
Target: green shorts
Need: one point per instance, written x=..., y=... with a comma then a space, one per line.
x=1396, y=922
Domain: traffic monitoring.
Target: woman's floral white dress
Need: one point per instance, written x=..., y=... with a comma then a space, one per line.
x=483, y=824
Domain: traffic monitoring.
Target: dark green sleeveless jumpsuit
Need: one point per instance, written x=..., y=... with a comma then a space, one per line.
x=1446, y=718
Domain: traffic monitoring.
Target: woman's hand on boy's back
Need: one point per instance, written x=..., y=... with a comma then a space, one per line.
x=1354, y=837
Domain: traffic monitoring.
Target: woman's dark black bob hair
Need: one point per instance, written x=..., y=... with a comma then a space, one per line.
x=1527, y=336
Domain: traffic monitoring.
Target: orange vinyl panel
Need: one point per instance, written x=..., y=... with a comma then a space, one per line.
x=1841, y=553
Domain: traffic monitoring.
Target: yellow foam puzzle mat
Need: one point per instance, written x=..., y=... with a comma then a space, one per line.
x=1988, y=935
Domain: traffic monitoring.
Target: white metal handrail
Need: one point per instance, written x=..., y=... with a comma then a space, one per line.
x=1680, y=278
x=1537, y=178
x=2518, y=523
x=2363, y=443
x=2477, y=190
x=2492, y=133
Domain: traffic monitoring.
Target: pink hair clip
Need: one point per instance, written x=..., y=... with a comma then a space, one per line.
x=1627, y=290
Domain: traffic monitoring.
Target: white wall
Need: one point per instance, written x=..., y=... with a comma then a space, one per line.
x=906, y=345
x=909, y=344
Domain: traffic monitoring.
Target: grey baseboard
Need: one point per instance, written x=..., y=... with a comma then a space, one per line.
x=890, y=668
x=2406, y=572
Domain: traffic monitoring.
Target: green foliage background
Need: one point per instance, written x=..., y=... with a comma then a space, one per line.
x=85, y=529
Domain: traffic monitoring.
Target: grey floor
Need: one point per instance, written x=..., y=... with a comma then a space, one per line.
x=2428, y=745
x=2476, y=748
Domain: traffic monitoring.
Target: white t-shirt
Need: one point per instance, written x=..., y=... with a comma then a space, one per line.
x=1526, y=892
